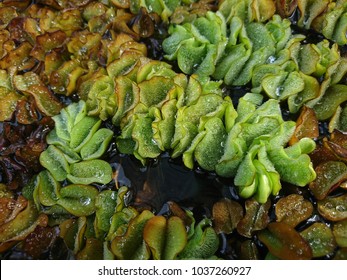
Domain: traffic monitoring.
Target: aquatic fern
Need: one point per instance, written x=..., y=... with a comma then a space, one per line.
x=265, y=55
x=328, y=17
x=75, y=146
x=124, y=233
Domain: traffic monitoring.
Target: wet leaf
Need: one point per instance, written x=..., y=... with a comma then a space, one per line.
x=54, y=160
x=79, y=200
x=165, y=237
x=333, y=208
x=105, y=204
x=83, y=131
x=48, y=189
x=39, y=241
x=320, y=238
x=306, y=125
x=328, y=104
x=329, y=175
x=22, y=224
x=90, y=171
x=45, y=100
x=249, y=250
x=8, y=101
x=72, y=231
x=203, y=244
x=337, y=144
x=340, y=233
x=93, y=250
x=293, y=209
x=46, y=42
x=226, y=215
x=285, y=242
x=286, y=7
x=97, y=145
x=256, y=217
x=130, y=245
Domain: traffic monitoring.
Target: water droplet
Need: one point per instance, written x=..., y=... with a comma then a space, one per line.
x=279, y=91
x=328, y=205
x=61, y=89
x=340, y=208
x=85, y=201
x=298, y=100
x=271, y=59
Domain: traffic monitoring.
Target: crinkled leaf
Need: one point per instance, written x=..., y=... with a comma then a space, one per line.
x=22, y=224
x=165, y=238
x=125, y=247
x=203, y=244
x=210, y=149
x=97, y=145
x=293, y=164
x=154, y=91
x=127, y=97
x=142, y=134
x=83, y=131
x=328, y=104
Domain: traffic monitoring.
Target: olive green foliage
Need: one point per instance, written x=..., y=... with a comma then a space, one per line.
x=328, y=17
x=114, y=231
x=241, y=49
x=159, y=110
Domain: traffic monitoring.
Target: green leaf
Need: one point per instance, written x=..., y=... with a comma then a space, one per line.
x=97, y=145
x=125, y=247
x=203, y=244
x=48, y=189
x=105, y=204
x=320, y=238
x=165, y=238
x=78, y=199
x=83, y=131
x=54, y=160
x=340, y=233
x=90, y=171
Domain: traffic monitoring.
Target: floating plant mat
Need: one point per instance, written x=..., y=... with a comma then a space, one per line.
x=173, y=129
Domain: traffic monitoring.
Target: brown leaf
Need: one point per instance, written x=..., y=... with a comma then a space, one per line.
x=330, y=174
x=256, y=217
x=226, y=215
x=293, y=209
x=285, y=242
x=333, y=208
x=306, y=126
